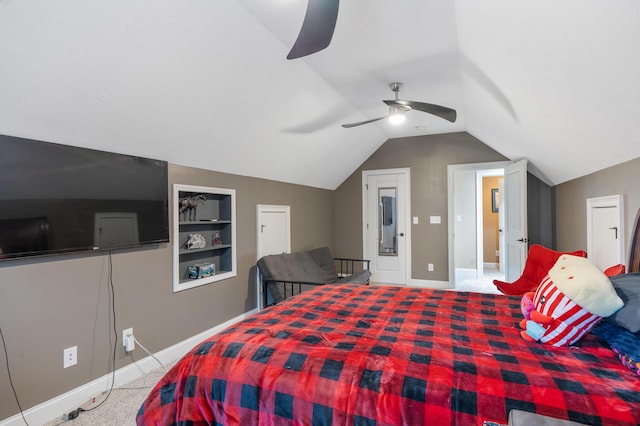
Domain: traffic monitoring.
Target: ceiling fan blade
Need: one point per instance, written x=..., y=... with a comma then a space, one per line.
x=317, y=28
x=346, y=126
x=440, y=111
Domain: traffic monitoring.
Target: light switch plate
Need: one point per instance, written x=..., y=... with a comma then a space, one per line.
x=435, y=219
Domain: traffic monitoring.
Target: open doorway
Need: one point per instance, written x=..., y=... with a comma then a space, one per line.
x=475, y=223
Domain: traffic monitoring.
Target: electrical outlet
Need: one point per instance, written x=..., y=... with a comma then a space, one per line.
x=70, y=357
x=430, y=267
x=128, y=340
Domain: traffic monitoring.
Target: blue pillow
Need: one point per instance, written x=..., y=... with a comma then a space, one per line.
x=628, y=288
x=622, y=342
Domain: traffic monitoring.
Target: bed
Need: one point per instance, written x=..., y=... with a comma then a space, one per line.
x=365, y=355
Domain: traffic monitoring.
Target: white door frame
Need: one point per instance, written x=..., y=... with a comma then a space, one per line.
x=451, y=169
x=482, y=173
x=516, y=232
x=615, y=201
x=266, y=208
x=405, y=174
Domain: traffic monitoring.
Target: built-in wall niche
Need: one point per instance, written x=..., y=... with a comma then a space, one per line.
x=204, y=235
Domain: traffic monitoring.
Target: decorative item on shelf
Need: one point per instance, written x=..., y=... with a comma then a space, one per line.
x=195, y=241
x=201, y=270
x=217, y=240
x=189, y=205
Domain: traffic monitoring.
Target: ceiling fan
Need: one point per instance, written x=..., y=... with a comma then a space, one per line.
x=317, y=28
x=398, y=107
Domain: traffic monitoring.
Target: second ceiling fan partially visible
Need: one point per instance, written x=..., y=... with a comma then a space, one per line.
x=398, y=107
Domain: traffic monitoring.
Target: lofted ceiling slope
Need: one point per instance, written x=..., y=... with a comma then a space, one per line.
x=207, y=84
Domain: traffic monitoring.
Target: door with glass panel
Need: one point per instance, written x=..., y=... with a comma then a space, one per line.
x=385, y=209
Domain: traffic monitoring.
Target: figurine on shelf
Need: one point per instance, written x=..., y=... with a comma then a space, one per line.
x=217, y=240
x=189, y=206
x=195, y=241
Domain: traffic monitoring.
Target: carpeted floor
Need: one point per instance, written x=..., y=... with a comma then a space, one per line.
x=480, y=285
x=120, y=408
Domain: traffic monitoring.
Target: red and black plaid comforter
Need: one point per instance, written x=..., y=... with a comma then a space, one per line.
x=360, y=355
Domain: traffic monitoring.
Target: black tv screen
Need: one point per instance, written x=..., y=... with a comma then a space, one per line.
x=57, y=199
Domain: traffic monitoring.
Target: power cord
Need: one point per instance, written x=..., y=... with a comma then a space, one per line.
x=112, y=301
x=115, y=342
x=152, y=355
x=15, y=394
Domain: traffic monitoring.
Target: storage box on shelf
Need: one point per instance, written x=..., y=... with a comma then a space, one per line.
x=203, y=235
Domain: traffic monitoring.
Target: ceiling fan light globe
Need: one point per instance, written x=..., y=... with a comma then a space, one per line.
x=397, y=118
x=396, y=114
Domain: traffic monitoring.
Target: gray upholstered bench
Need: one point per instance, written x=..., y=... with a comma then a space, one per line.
x=284, y=275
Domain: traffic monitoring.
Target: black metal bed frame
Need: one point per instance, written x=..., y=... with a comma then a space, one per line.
x=346, y=268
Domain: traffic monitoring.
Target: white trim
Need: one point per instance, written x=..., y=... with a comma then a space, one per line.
x=55, y=407
x=481, y=168
x=444, y=285
x=480, y=175
x=265, y=208
x=406, y=175
x=219, y=275
x=615, y=201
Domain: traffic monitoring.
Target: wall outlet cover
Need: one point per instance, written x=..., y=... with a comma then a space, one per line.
x=70, y=357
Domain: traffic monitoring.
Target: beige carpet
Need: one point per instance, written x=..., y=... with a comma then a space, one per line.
x=483, y=284
x=120, y=408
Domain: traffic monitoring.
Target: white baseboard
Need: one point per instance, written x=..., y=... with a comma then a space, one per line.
x=72, y=399
x=430, y=284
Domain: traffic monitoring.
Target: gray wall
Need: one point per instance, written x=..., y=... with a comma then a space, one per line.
x=52, y=303
x=571, y=202
x=428, y=158
x=540, y=212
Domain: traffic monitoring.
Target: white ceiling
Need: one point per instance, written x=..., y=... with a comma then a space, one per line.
x=206, y=83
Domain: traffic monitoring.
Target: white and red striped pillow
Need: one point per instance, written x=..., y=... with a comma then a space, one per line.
x=571, y=321
x=569, y=301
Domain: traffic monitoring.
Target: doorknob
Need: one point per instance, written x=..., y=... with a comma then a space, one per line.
x=262, y=228
x=523, y=240
x=401, y=234
x=615, y=228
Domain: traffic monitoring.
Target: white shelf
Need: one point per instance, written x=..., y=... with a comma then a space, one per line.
x=217, y=209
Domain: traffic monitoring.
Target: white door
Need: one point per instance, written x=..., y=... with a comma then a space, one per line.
x=605, y=245
x=515, y=219
x=501, y=239
x=274, y=234
x=386, y=209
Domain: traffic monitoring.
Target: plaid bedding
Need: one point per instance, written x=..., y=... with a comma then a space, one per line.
x=361, y=355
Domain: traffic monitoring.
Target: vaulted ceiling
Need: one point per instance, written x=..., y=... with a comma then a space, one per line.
x=206, y=83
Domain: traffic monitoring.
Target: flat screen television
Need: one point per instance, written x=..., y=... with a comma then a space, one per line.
x=59, y=199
